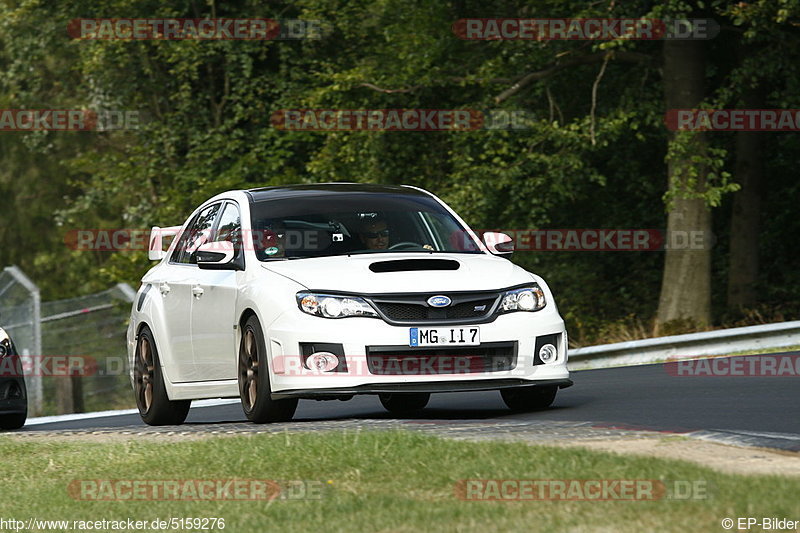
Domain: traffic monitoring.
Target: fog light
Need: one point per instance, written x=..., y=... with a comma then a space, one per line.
x=322, y=361
x=548, y=353
x=3, y=350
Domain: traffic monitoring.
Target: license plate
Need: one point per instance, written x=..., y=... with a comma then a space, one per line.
x=467, y=336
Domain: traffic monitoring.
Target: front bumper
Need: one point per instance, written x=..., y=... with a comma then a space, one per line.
x=423, y=387
x=289, y=378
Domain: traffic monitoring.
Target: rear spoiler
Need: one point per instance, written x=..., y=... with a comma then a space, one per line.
x=156, y=250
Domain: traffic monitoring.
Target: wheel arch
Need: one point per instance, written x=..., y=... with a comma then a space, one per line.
x=244, y=316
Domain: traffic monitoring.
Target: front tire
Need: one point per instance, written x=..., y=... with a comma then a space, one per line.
x=254, y=388
x=155, y=407
x=529, y=398
x=404, y=404
x=15, y=421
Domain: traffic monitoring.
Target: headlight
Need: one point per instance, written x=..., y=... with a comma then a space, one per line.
x=5, y=345
x=525, y=299
x=331, y=306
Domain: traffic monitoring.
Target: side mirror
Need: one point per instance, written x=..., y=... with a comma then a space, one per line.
x=217, y=256
x=499, y=243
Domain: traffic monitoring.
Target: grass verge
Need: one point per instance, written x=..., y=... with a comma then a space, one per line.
x=375, y=481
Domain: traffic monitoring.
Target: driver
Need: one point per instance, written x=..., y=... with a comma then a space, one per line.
x=375, y=234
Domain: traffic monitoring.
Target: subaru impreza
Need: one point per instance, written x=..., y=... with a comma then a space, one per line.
x=328, y=291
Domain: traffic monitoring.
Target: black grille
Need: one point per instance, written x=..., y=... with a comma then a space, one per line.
x=401, y=360
x=414, y=308
x=397, y=311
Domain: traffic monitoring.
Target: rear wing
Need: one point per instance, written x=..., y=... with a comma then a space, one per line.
x=156, y=250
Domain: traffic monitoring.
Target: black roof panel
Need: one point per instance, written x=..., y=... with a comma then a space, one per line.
x=328, y=189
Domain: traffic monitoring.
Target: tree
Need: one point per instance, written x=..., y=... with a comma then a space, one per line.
x=686, y=282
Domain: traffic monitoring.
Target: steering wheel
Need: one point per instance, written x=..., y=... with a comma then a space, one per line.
x=405, y=245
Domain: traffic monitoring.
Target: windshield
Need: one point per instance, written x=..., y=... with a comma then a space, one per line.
x=354, y=223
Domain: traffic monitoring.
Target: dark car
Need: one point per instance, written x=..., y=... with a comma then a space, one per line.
x=13, y=395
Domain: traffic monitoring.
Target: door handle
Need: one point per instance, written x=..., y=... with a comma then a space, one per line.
x=197, y=291
x=164, y=288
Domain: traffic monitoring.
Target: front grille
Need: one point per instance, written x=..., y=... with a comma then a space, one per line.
x=404, y=312
x=413, y=308
x=405, y=361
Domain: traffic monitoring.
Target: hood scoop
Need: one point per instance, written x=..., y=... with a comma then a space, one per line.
x=411, y=265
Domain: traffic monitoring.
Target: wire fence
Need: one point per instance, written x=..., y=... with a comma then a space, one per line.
x=20, y=317
x=78, y=363
x=89, y=330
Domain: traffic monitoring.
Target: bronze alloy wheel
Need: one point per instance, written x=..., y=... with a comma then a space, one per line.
x=155, y=406
x=143, y=375
x=254, y=386
x=248, y=370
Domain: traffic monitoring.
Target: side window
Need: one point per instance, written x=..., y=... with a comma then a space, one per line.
x=196, y=234
x=229, y=227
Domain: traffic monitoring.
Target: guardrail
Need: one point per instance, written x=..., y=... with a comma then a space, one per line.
x=719, y=342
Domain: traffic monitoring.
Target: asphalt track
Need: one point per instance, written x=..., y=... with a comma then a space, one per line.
x=645, y=397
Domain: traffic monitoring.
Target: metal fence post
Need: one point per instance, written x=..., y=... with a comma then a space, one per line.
x=33, y=382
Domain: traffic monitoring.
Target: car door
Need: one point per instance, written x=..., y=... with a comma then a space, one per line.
x=175, y=283
x=214, y=306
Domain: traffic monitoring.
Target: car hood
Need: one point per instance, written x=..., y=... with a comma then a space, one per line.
x=401, y=273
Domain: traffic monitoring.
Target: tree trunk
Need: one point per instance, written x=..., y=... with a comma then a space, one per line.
x=77, y=394
x=69, y=394
x=686, y=282
x=65, y=399
x=743, y=260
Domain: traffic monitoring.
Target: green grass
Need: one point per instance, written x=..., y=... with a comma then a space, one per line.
x=379, y=481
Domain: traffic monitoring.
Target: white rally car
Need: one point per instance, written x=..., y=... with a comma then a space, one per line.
x=330, y=290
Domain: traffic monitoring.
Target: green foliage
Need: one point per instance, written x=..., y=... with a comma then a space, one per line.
x=704, y=178
x=206, y=107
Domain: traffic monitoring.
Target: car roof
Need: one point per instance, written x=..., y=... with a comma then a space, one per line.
x=329, y=189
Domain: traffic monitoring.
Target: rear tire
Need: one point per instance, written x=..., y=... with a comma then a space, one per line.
x=254, y=388
x=404, y=403
x=155, y=407
x=529, y=398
